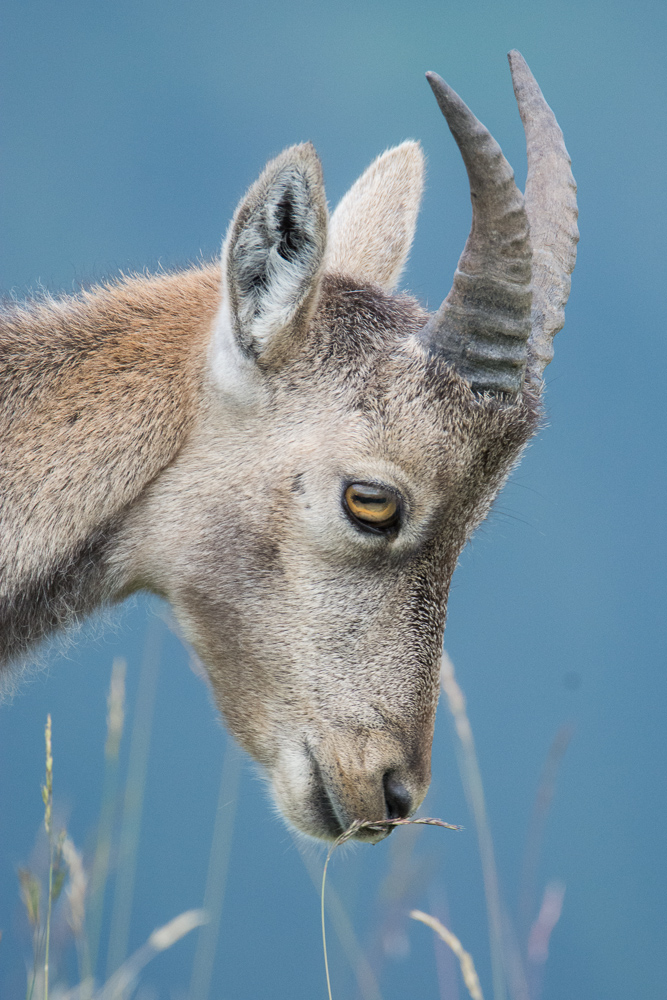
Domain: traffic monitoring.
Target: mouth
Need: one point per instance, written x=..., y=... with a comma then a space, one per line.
x=332, y=823
x=339, y=790
x=323, y=805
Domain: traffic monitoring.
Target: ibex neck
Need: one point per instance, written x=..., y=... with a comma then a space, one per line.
x=97, y=395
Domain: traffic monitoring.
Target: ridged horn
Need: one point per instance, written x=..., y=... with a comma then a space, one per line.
x=482, y=327
x=551, y=205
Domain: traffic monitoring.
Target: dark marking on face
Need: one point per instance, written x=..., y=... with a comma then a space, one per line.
x=296, y=485
x=266, y=555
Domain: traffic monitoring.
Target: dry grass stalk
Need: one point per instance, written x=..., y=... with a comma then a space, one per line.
x=366, y=979
x=47, y=796
x=31, y=890
x=47, y=788
x=65, y=859
x=115, y=708
x=100, y=869
x=216, y=876
x=133, y=801
x=468, y=971
x=536, y=826
x=124, y=980
x=31, y=887
x=407, y=877
x=474, y=791
x=76, y=888
x=547, y=918
x=376, y=827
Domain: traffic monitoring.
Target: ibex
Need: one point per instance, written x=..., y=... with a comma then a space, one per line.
x=292, y=454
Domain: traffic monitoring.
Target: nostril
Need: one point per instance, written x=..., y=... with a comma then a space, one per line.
x=397, y=797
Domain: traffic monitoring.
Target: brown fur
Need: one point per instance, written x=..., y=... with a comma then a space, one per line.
x=93, y=404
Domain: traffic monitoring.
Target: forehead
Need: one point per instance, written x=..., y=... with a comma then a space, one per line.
x=366, y=383
x=362, y=364
x=357, y=326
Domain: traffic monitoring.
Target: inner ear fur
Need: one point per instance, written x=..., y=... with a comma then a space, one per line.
x=274, y=251
x=371, y=231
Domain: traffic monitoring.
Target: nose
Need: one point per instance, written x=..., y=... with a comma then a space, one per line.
x=339, y=796
x=397, y=798
x=366, y=776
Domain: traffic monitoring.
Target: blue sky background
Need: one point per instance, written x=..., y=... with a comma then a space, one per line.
x=129, y=132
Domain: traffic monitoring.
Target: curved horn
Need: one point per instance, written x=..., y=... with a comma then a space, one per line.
x=551, y=205
x=483, y=325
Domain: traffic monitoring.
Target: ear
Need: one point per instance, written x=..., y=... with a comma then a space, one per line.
x=371, y=231
x=273, y=254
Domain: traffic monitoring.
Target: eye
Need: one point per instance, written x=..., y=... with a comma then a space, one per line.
x=373, y=508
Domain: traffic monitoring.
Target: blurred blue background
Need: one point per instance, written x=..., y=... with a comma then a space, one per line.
x=129, y=132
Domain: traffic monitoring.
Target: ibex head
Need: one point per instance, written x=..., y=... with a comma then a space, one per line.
x=340, y=446
x=307, y=533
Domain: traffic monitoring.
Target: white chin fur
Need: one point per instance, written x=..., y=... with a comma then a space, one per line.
x=291, y=784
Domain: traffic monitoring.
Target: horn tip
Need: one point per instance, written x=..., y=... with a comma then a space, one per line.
x=443, y=93
x=435, y=81
x=520, y=70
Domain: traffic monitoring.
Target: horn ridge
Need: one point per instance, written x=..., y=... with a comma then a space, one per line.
x=551, y=205
x=482, y=327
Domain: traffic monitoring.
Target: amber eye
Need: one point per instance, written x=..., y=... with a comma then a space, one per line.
x=371, y=507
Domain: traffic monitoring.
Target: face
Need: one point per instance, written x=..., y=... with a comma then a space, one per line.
x=312, y=581
x=346, y=447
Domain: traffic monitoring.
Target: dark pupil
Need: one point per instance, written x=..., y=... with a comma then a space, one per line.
x=371, y=501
